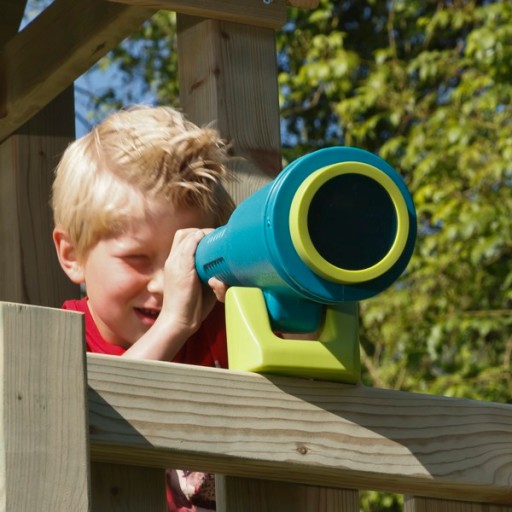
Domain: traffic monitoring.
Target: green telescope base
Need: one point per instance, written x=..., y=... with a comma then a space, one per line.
x=253, y=347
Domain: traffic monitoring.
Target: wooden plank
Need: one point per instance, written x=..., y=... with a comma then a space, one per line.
x=298, y=430
x=29, y=270
x=265, y=496
x=119, y=488
x=271, y=14
x=43, y=411
x=66, y=39
x=415, y=504
x=228, y=76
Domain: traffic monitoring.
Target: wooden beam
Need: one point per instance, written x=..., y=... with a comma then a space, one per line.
x=66, y=39
x=298, y=430
x=271, y=13
x=12, y=15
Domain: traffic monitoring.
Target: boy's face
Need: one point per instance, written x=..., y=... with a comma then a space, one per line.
x=118, y=270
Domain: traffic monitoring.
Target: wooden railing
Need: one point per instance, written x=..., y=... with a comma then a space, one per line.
x=93, y=432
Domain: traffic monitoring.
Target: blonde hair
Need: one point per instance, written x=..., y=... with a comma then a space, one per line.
x=134, y=155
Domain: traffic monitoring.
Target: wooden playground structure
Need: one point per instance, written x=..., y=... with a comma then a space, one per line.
x=84, y=432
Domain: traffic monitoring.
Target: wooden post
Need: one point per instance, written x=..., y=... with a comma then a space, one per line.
x=43, y=425
x=249, y=495
x=125, y=488
x=227, y=74
x=29, y=270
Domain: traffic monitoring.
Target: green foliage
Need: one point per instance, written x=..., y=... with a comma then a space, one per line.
x=371, y=501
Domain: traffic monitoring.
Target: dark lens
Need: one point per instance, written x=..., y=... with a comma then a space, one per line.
x=352, y=221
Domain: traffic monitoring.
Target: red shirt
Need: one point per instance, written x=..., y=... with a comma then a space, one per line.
x=207, y=347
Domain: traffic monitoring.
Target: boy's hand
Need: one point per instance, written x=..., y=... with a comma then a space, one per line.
x=186, y=300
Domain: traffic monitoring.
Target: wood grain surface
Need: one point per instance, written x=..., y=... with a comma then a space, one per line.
x=321, y=433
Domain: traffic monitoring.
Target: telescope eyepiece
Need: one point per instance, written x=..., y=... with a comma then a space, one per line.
x=352, y=221
x=349, y=222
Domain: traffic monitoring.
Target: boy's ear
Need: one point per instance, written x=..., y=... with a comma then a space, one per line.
x=67, y=255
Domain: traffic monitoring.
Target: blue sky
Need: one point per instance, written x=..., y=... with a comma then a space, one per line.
x=94, y=82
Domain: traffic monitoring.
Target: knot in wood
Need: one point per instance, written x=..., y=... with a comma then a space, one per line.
x=302, y=449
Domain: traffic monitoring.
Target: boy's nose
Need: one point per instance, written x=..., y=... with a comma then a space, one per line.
x=156, y=283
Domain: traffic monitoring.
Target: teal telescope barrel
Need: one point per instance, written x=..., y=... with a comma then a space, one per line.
x=335, y=225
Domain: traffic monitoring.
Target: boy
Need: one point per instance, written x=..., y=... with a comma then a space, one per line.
x=131, y=201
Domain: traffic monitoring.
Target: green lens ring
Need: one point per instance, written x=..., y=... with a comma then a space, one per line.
x=298, y=221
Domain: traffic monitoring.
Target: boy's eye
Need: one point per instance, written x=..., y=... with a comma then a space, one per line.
x=136, y=259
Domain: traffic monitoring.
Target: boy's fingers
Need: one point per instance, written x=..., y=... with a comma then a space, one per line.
x=219, y=288
x=186, y=241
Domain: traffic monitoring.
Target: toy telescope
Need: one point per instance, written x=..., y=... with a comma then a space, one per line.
x=335, y=227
